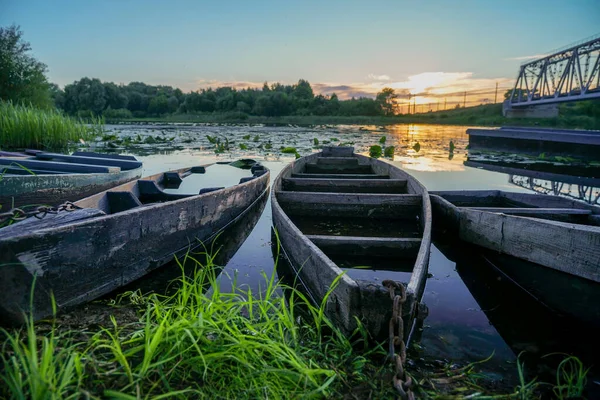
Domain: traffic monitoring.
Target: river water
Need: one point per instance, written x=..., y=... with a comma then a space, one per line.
x=474, y=310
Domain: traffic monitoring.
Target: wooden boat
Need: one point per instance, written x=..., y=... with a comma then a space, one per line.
x=552, y=231
x=336, y=210
x=116, y=237
x=36, y=177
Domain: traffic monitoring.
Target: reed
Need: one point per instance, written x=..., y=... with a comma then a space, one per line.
x=28, y=127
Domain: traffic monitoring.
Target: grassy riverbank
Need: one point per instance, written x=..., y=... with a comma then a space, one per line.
x=485, y=115
x=28, y=127
x=200, y=342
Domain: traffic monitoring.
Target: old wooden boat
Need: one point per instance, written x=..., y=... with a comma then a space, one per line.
x=552, y=231
x=38, y=177
x=335, y=211
x=114, y=238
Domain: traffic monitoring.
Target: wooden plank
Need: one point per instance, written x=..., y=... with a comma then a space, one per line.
x=48, y=221
x=533, y=211
x=60, y=166
x=21, y=171
x=337, y=169
x=125, y=165
x=345, y=185
x=363, y=246
x=337, y=151
x=404, y=206
x=343, y=161
x=104, y=155
x=572, y=137
x=340, y=176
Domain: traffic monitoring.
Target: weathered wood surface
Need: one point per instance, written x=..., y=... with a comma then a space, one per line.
x=343, y=161
x=59, y=166
x=571, y=248
x=351, y=205
x=56, y=189
x=351, y=299
x=337, y=151
x=104, y=155
x=568, y=247
x=48, y=221
x=345, y=185
x=559, y=136
x=123, y=164
x=339, y=176
x=533, y=211
x=86, y=259
x=337, y=169
x=361, y=246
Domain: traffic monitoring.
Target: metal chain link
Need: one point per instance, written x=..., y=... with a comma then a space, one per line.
x=397, y=346
x=18, y=214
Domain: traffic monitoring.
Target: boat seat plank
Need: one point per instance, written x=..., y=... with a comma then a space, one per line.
x=48, y=221
x=398, y=186
x=101, y=155
x=59, y=166
x=151, y=193
x=362, y=246
x=340, y=176
x=341, y=151
x=338, y=169
x=351, y=205
x=341, y=161
x=125, y=165
x=533, y=211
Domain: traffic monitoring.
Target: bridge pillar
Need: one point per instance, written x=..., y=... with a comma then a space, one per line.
x=540, y=111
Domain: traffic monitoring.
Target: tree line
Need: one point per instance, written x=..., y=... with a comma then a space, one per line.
x=90, y=96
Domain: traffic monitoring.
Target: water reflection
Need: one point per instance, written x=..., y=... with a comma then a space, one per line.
x=458, y=328
x=580, y=182
x=535, y=310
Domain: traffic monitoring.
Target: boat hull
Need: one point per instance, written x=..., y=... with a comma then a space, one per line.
x=540, y=232
x=82, y=260
x=349, y=302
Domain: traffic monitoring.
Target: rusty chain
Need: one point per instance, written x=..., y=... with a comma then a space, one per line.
x=18, y=214
x=397, y=346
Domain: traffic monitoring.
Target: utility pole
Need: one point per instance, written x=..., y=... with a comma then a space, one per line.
x=496, y=95
x=465, y=100
x=444, y=103
x=438, y=105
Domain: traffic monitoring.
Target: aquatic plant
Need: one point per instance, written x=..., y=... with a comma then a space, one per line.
x=571, y=378
x=375, y=151
x=243, y=146
x=315, y=141
x=389, y=151
x=289, y=150
x=382, y=139
x=417, y=147
x=28, y=127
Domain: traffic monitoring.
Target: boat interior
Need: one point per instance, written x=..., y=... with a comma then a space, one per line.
x=359, y=215
x=549, y=207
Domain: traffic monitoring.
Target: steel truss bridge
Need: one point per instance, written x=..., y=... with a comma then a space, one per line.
x=569, y=74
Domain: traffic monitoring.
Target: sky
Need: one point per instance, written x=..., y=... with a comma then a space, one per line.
x=433, y=48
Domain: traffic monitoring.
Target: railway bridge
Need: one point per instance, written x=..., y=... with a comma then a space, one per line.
x=568, y=74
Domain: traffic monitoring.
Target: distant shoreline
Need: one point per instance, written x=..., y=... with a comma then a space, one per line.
x=474, y=116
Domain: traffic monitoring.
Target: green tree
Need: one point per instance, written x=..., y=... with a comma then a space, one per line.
x=22, y=77
x=387, y=99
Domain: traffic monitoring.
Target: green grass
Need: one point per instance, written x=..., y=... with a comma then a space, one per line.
x=28, y=127
x=196, y=343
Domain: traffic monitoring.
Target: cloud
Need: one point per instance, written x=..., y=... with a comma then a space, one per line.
x=378, y=77
x=427, y=87
x=524, y=58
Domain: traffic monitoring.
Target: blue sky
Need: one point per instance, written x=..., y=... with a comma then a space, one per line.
x=357, y=45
